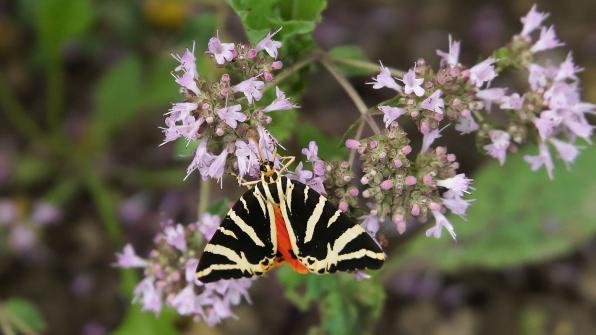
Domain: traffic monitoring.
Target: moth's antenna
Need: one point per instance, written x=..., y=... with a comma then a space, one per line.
x=256, y=143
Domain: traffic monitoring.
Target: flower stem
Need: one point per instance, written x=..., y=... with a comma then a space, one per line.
x=358, y=136
x=16, y=113
x=292, y=69
x=204, y=189
x=365, y=65
x=356, y=98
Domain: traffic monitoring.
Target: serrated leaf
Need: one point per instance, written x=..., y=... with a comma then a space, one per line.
x=519, y=216
x=137, y=321
x=351, y=52
x=26, y=313
x=59, y=20
x=118, y=95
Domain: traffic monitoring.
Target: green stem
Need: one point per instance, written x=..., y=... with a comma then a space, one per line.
x=204, y=190
x=16, y=113
x=55, y=91
x=356, y=98
x=365, y=65
x=103, y=202
x=293, y=69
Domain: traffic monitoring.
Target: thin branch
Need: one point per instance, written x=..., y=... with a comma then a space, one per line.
x=356, y=98
x=204, y=189
x=292, y=69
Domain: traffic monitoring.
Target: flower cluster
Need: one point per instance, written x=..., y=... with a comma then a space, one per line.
x=170, y=274
x=22, y=224
x=225, y=117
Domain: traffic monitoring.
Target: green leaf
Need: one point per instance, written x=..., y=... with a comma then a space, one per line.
x=25, y=312
x=283, y=124
x=30, y=170
x=351, y=52
x=329, y=148
x=184, y=150
x=118, y=95
x=219, y=207
x=59, y=20
x=159, y=91
x=519, y=216
x=137, y=321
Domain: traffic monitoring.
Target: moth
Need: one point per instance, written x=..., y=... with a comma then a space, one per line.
x=281, y=220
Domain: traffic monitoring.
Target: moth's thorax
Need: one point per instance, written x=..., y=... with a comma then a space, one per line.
x=269, y=173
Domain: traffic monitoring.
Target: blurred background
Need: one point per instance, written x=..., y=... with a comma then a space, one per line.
x=83, y=89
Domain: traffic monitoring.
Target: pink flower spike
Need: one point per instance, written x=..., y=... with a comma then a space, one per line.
x=384, y=79
x=532, y=21
x=413, y=84
x=500, y=144
x=483, y=72
x=441, y=222
x=129, y=259
x=187, y=81
x=280, y=102
x=543, y=158
x=452, y=57
x=251, y=88
x=548, y=40
x=223, y=52
x=434, y=103
x=231, y=115
x=567, y=69
x=201, y=160
x=391, y=114
x=458, y=184
x=567, y=151
x=175, y=237
x=269, y=45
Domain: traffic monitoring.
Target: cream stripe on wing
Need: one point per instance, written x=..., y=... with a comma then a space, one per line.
x=246, y=228
x=272, y=226
x=314, y=218
x=289, y=190
x=333, y=218
x=244, y=204
x=227, y=232
x=361, y=253
x=345, y=238
x=306, y=193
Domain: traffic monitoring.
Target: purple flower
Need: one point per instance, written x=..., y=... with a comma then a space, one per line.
x=391, y=114
x=532, y=20
x=429, y=138
x=384, y=79
x=441, y=222
x=452, y=57
x=498, y=148
x=269, y=45
x=455, y=204
x=412, y=84
x=548, y=40
x=546, y=123
x=280, y=102
x=175, y=237
x=8, y=212
x=466, y=124
x=201, y=161
x=231, y=115
x=579, y=126
x=370, y=223
x=216, y=169
x=308, y=178
x=149, y=295
x=251, y=88
x=22, y=238
x=247, y=157
x=190, y=270
x=361, y=275
x=458, y=184
x=311, y=152
x=537, y=77
x=483, y=72
x=567, y=151
x=187, y=63
x=267, y=143
x=184, y=301
x=129, y=259
x=187, y=81
x=491, y=95
x=567, y=69
x=221, y=51
x=514, y=101
x=543, y=158
x=208, y=225
x=236, y=290
x=45, y=213
x=434, y=103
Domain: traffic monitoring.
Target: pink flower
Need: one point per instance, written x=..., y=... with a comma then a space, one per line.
x=236, y=290
x=247, y=157
x=498, y=147
x=280, y=102
x=532, y=20
x=221, y=51
x=483, y=72
x=187, y=63
x=361, y=275
x=547, y=123
x=190, y=270
x=384, y=79
x=441, y=222
x=466, y=124
x=22, y=238
x=8, y=212
x=370, y=223
x=452, y=57
x=567, y=69
x=175, y=236
x=184, y=301
x=548, y=40
x=434, y=103
x=458, y=184
x=187, y=81
x=45, y=213
x=311, y=152
x=208, y=225
x=412, y=84
x=216, y=169
x=429, y=138
x=391, y=114
x=491, y=94
x=269, y=45
x=129, y=259
x=251, y=88
x=543, y=158
x=455, y=204
x=567, y=151
x=353, y=144
x=231, y=115
x=149, y=295
x=308, y=178
x=201, y=160
x=537, y=77
x=514, y=101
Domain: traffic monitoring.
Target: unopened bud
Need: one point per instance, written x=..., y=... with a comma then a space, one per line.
x=225, y=77
x=219, y=131
x=352, y=144
x=386, y=184
x=406, y=149
x=252, y=53
x=353, y=191
x=267, y=76
x=415, y=210
x=427, y=179
x=410, y=180
x=277, y=65
x=343, y=206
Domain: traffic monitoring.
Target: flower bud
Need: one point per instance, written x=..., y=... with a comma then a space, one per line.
x=352, y=144
x=353, y=191
x=400, y=222
x=277, y=65
x=424, y=128
x=406, y=149
x=225, y=77
x=434, y=206
x=209, y=119
x=343, y=206
x=344, y=164
x=386, y=184
x=347, y=178
x=366, y=193
x=372, y=144
x=427, y=179
x=410, y=180
x=397, y=162
x=267, y=76
x=415, y=210
x=219, y=131
x=440, y=150
x=364, y=180
x=252, y=53
x=450, y=157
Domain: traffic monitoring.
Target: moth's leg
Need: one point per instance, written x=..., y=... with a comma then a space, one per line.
x=243, y=182
x=289, y=159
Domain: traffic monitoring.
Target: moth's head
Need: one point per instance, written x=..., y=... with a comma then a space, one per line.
x=267, y=168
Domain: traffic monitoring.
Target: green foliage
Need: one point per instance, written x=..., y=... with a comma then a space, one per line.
x=22, y=312
x=351, y=52
x=329, y=147
x=59, y=20
x=519, y=216
x=137, y=321
x=346, y=305
x=219, y=207
x=30, y=170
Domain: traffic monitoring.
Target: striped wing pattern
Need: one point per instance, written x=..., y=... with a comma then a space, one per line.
x=244, y=244
x=324, y=239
